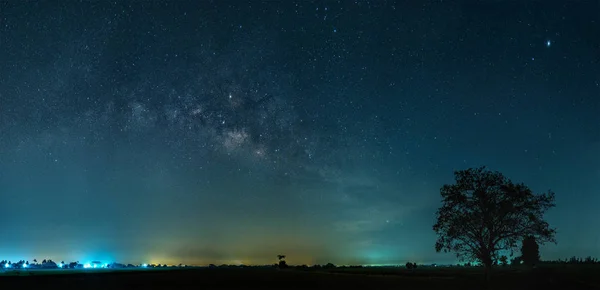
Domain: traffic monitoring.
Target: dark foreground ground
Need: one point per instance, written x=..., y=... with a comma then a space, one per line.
x=256, y=278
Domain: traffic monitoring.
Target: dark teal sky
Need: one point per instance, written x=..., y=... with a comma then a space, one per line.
x=229, y=131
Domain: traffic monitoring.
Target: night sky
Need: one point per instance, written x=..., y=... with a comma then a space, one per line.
x=229, y=132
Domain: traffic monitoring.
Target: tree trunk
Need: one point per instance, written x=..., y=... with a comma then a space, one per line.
x=488, y=271
x=487, y=264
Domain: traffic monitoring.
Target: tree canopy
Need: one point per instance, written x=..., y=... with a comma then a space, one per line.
x=484, y=212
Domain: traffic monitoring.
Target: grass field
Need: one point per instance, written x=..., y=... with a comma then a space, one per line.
x=43, y=272
x=261, y=278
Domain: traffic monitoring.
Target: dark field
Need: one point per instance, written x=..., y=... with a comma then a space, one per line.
x=261, y=278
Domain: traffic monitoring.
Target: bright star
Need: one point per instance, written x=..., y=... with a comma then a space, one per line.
x=548, y=43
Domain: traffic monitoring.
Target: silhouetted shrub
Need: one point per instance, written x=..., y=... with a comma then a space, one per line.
x=411, y=266
x=503, y=261
x=329, y=266
x=530, y=251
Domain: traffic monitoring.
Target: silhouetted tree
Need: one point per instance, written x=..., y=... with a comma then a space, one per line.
x=484, y=212
x=409, y=265
x=530, y=251
x=515, y=261
x=282, y=264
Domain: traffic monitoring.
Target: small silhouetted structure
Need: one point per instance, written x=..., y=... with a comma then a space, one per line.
x=282, y=264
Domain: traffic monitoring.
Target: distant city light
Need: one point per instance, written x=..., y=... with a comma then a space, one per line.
x=89, y=265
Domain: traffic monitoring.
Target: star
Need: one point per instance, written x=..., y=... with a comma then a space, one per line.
x=355, y=146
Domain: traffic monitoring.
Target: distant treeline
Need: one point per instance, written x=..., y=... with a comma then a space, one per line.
x=574, y=260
